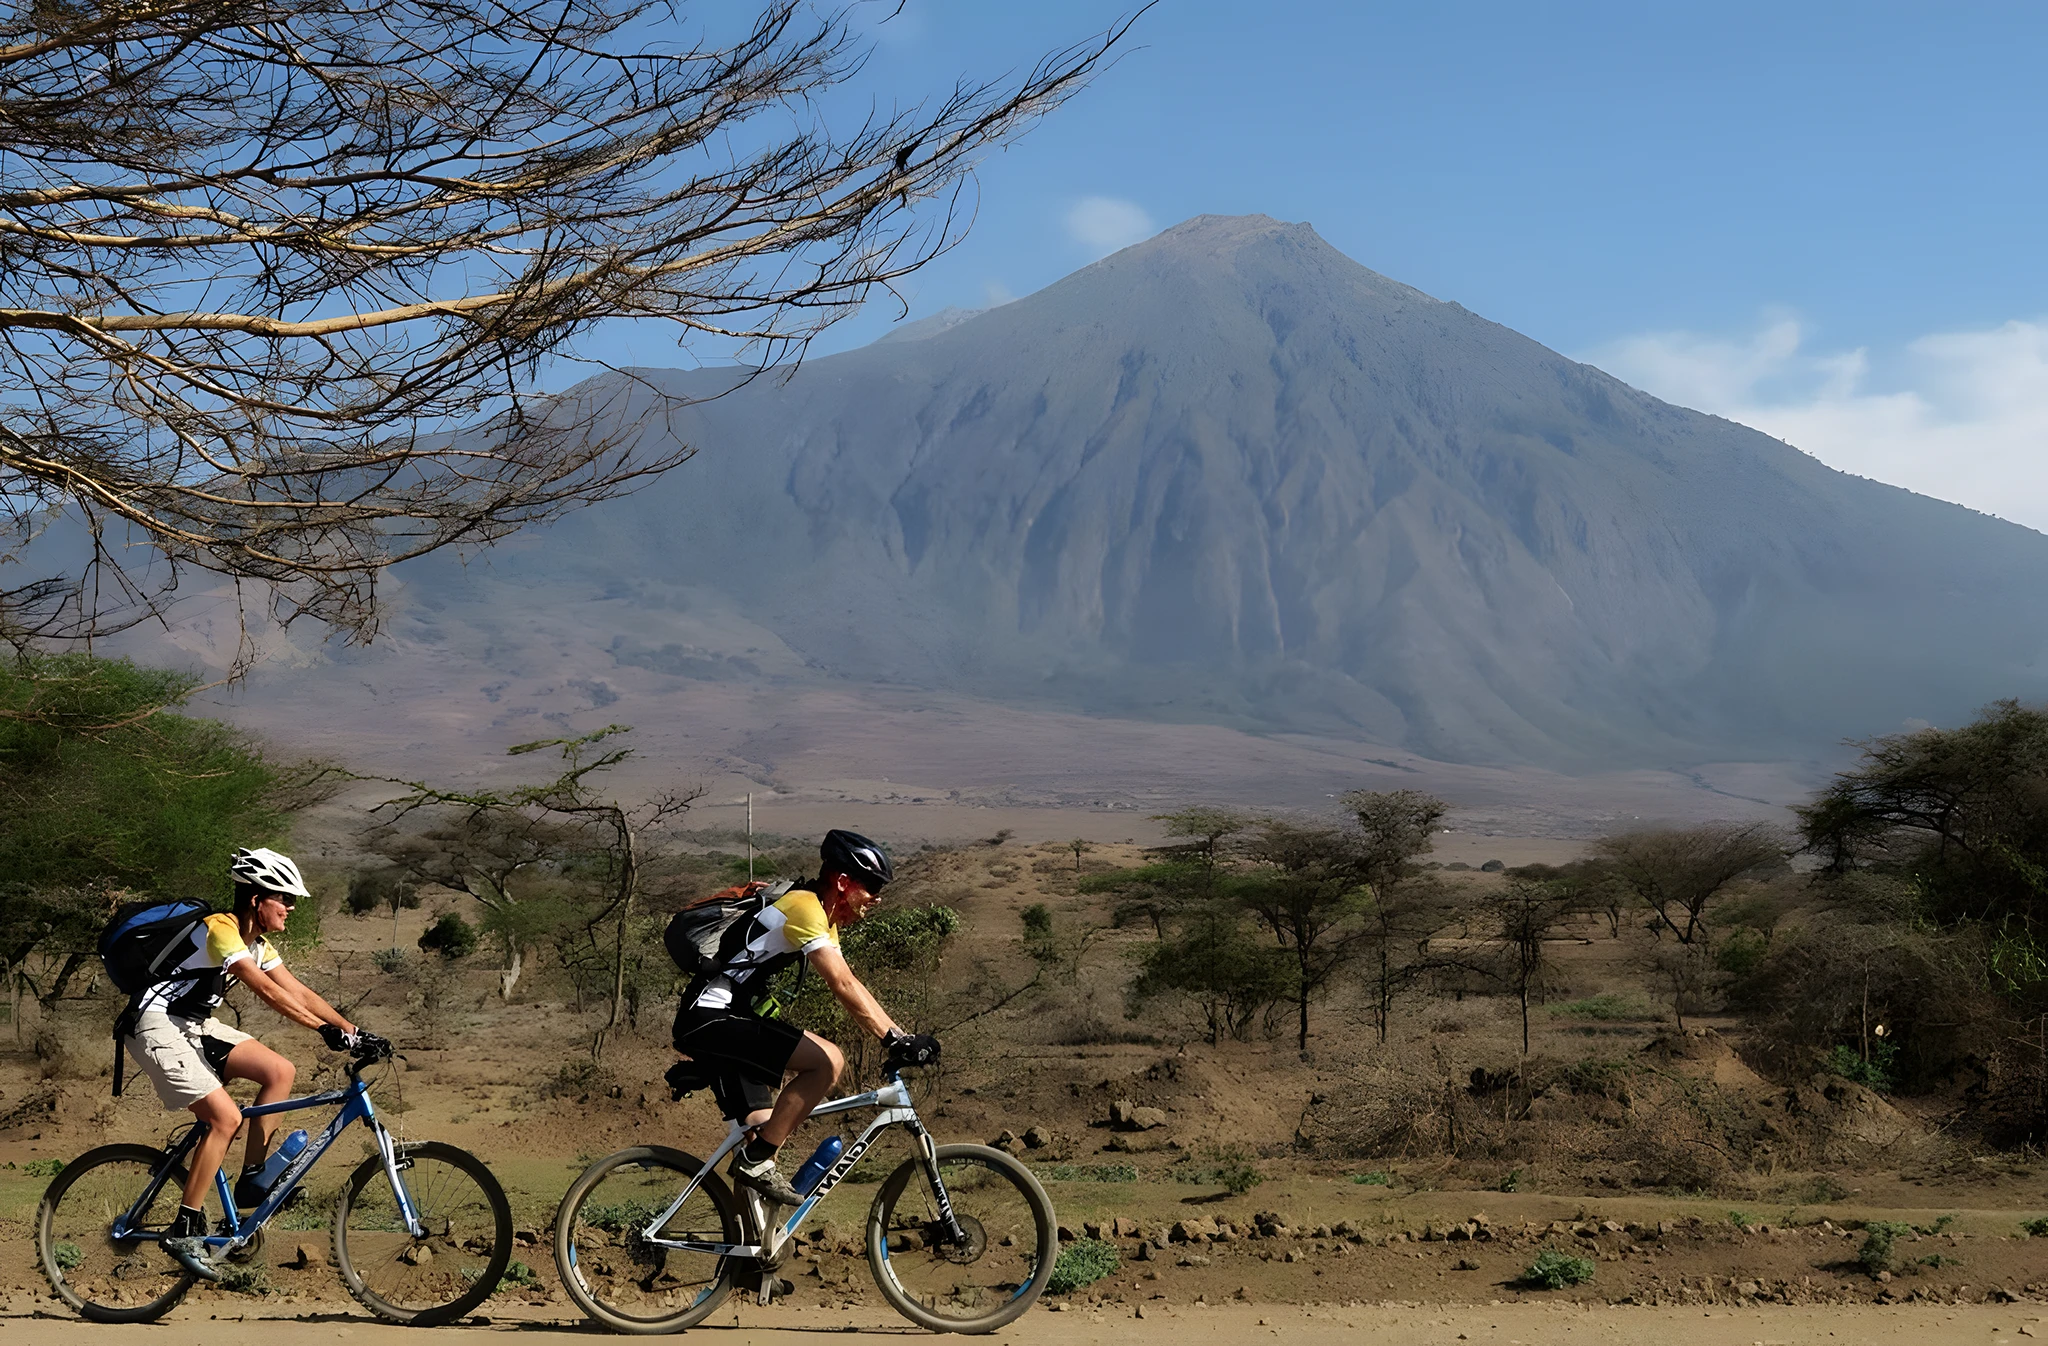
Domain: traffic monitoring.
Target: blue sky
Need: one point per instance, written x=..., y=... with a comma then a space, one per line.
x=1824, y=219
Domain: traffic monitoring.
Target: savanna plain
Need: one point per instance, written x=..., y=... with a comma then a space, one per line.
x=1514, y=1103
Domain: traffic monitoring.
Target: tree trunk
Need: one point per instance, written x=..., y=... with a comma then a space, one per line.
x=628, y=877
x=509, y=976
x=1385, y=998
x=72, y=962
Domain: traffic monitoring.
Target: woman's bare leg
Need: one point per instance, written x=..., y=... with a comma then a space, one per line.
x=273, y=1075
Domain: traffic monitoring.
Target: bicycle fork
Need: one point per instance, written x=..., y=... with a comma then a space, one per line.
x=928, y=1155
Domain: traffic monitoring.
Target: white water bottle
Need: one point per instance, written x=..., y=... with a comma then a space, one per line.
x=273, y=1168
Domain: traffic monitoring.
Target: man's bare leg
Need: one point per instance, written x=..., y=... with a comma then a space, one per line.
x=816, y=1064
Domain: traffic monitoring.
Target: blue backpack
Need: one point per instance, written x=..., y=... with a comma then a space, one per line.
x=136, y=946
x=142, y=937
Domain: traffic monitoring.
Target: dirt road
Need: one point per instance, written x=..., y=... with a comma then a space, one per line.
x=1224, y=1325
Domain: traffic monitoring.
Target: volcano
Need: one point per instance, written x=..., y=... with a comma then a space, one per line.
x=1231, y=476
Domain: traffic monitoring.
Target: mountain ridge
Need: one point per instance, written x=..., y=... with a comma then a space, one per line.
x=1231, y=476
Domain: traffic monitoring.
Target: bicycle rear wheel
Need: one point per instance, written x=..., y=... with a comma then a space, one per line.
x=437, y=1278
x=110, y=1280
x=609, y=1268
x=1012, y=1241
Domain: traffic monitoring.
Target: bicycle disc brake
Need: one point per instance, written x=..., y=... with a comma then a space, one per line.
x=973, y=1244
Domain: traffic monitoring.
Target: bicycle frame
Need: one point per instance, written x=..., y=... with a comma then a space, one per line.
x=893, y=1100
x=355, y=1106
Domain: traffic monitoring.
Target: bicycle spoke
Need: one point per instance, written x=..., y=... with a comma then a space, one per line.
x=628, y=1281
x=994, y=1273
x=105, y=1278
x=463, y=1247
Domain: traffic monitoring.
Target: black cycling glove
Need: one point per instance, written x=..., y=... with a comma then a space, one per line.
x=339, y=1039
x=912, y=1049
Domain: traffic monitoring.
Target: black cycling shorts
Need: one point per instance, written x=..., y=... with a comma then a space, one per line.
x=747, y=1055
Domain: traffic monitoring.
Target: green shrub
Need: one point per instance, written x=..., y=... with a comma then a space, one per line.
x=1818, y=1190
x=1083, y=1262
x=1373, y=1179
x=520, y=1276
x=2036, y=1228
x=1511, y=1182
x=40, y=1168
x=1555, y=1269
x=248, y=1280
x=1742, y=1220
x=451, y=937
x=67, y=1255
x=389, y=960
x=1230, y=1167
x=1877, y=1253
x=1741, y=953
x=1876, y=1073
x=1088, y=1173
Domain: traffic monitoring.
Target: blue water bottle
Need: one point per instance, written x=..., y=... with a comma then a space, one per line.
x=826, y=1155
x=287, y=1150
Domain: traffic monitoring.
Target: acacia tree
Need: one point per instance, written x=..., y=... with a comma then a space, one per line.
x=480, y=852
x=1398, y=827
x=571, y=797
x=102, y=789
x=1678, y=871
x=1229, y=975
x=279, y=275
x=1309, y=890
x=1524, y=914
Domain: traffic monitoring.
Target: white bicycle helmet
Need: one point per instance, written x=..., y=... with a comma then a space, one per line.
x=268, y=870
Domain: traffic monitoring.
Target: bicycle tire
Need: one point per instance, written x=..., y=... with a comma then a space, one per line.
x=585, y=1245
x=414, y=1281
x=996, y=1198
x=101, y=1267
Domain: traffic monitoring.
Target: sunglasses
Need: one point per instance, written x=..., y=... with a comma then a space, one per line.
x=288, y=903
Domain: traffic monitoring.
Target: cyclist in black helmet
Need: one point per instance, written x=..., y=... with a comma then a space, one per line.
x=722, y=1024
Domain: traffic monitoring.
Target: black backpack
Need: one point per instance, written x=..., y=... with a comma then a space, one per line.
x=136, y=946
x=698, y=937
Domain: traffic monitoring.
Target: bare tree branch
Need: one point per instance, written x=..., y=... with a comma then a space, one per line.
x=277, y=276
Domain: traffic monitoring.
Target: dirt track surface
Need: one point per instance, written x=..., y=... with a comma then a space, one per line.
x=1505, y=1325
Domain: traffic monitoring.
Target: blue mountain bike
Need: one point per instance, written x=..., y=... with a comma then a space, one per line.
x=422, y=1232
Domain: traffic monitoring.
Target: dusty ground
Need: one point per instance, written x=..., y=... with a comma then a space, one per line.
x=1765, y=1250
x=1224, y=1325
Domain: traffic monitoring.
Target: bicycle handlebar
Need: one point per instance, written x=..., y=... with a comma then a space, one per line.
x=369, y=1053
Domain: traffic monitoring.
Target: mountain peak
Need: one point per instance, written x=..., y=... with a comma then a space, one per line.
x=1231, y=474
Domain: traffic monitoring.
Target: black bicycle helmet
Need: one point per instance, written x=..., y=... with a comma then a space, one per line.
x=851, y=854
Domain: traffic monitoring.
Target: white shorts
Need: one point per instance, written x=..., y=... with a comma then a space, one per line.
x=180, y=1055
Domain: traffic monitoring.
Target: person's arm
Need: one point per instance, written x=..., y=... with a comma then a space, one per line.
x=859, y=1001
x=274, y=994
x=314, y=1003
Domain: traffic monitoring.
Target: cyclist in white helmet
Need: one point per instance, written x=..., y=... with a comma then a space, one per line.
x=190, y=1056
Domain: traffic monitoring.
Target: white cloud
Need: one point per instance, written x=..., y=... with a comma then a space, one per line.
x=997, y=294
x=1961, y=416
x=1103, y=224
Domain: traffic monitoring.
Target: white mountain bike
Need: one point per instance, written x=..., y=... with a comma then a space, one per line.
x=961, y=1238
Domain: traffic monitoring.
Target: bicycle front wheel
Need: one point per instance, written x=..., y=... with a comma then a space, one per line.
x=453, y=1266
x=1000, y=1270
x=610, y=1269
x=110, y=1280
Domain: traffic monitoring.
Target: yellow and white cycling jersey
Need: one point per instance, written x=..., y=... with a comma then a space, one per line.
x=793, y=926
x=199, y=981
